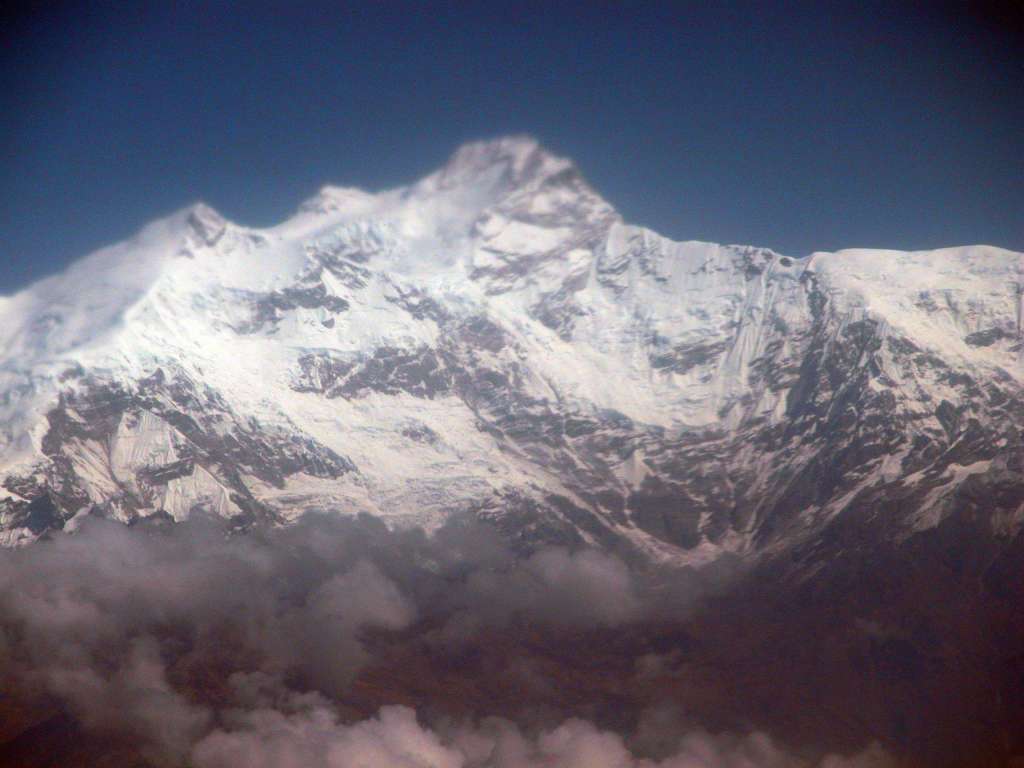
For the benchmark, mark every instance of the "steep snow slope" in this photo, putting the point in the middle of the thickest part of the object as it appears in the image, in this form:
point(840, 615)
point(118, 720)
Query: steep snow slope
point(495, 340)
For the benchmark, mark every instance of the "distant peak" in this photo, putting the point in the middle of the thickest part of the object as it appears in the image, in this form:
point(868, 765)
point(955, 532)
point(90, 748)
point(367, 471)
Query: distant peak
point(331, 199)
point(482, 170)
point(205, 223)
point(481, 154)
point(514, 160)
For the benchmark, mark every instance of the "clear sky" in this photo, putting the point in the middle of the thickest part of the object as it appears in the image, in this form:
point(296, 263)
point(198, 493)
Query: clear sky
point(795, 126)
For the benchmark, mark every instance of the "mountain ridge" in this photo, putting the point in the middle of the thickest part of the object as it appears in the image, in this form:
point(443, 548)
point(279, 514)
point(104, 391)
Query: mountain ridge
point(494, 340)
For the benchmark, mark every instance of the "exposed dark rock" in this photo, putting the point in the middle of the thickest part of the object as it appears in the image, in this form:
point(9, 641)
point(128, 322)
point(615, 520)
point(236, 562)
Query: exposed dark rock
point(684, 358)
point(42, 514)
point(163, 475)
point(666, 512)
point(207, 225)
point(215, 439)
point(269, 308)
point(388, 370)
point(418, 304)
point(988, 337)
point(420, 433)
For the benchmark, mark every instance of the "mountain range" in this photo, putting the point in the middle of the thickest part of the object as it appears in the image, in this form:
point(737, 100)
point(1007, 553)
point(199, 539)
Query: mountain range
point(495, 340)
point(844, 431)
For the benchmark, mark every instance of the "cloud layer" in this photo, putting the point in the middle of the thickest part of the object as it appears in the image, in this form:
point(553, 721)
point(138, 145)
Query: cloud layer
point(279, 648)
point(394, 739)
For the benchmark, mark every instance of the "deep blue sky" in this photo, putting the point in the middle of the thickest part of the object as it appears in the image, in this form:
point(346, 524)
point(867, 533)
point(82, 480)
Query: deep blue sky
point(795, 126)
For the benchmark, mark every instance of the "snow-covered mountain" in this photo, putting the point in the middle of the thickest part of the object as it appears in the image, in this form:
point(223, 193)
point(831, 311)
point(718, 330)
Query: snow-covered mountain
point(495, 340)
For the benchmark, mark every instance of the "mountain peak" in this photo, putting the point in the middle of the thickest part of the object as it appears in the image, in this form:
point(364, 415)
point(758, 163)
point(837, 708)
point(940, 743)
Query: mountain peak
point(477, 175)
point(510, 161)
point(487, 152)
point(206, 224)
